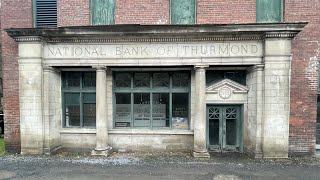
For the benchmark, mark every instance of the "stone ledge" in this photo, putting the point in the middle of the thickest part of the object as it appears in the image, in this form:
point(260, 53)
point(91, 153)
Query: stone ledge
point(78, 131)
point(150, 132)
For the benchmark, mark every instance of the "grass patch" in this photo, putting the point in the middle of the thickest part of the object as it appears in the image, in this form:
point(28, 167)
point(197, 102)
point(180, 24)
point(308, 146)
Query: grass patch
point(2, 149)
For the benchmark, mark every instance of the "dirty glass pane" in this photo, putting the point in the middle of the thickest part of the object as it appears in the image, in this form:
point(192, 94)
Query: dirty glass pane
point(216, 76)
point(103, 12)
point(71, 79)
point(183, 11)
point(214, 117)
point(161, 80)
point(180, 110)
point(269, 10)
point(180, 79)
point(141, 80)
point(72, 109)
point(141, 110)
point(160, 110)
point(123, 110)
point(89, 79)
point(123, 80)
point(231, 126)
point(89, 109)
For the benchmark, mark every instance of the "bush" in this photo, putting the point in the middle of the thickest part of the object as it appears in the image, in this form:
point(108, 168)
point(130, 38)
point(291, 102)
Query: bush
point(2, 148)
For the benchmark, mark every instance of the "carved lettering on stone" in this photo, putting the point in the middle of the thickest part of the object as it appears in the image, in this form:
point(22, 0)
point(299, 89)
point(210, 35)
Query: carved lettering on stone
point(154, 50)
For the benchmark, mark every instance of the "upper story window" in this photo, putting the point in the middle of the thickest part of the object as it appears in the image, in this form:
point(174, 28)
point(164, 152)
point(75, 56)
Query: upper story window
point(45, 13)
point(102, 12)
point(183, 11)
point(269, 11)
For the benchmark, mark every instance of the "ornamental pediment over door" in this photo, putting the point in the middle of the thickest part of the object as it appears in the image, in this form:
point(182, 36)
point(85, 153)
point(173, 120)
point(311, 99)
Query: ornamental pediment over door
point(226, 87)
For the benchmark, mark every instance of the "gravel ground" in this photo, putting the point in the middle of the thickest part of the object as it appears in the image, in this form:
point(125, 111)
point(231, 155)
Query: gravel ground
point(167, 165)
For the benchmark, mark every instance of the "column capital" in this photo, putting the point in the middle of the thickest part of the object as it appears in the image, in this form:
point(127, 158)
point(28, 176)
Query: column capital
point(49, 69)
point(200, 67)
point(100, 68)
point(258, 67)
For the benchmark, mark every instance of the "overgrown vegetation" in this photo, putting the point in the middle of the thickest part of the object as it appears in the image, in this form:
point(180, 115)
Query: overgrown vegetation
point(2, 149)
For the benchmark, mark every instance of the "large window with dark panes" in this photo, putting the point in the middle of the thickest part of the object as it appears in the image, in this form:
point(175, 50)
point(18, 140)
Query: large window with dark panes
point(79, 99)
point(151, 99)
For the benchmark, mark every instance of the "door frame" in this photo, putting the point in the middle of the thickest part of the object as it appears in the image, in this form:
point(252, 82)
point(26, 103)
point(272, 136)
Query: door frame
point(241, 127)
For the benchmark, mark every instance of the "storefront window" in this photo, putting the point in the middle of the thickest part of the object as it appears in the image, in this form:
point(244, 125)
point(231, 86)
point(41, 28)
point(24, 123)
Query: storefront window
point(79, 99)
point(152, 99)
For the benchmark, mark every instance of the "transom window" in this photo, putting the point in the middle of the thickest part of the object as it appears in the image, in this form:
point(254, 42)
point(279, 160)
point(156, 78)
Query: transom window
point(79, 99)
point(152, 99)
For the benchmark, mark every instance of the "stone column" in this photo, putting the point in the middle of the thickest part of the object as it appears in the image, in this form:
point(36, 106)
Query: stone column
point(30, 97)
point(200, 147)
point(259, 92)
point(276, 95)
point(51, 101)
point(102, 147)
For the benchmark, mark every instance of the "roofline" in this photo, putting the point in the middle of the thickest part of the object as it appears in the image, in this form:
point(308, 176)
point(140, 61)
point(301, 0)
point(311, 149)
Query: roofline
point(137, 29)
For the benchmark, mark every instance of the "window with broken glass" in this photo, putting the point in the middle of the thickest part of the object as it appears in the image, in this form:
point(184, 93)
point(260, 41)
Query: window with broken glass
point(151, 99)
point(79, 99)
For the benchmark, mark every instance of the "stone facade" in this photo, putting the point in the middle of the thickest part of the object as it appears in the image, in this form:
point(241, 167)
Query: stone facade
point(304, 71)
point(265, 54)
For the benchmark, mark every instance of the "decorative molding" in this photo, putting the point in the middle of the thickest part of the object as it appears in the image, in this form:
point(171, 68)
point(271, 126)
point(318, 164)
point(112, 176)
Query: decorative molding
point(281, 35)
point(50, 69)
point(225, 92)
point(28, 39)
point(258, 67)
point(200, 67)
point(122, 40)
point(100, 68)
point(226, 87)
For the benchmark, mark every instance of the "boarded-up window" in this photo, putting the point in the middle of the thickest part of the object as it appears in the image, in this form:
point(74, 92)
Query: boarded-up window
point(45, 13)
point(269, 11)
point(183, 11)
point(102, 12)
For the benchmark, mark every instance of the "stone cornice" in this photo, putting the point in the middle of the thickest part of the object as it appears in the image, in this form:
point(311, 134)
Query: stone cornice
point(157, 33)
point(28, 39)
point(280, 35)
point(145, 39)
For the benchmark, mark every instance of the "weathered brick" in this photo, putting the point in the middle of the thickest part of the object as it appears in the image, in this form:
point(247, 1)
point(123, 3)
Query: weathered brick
point(14, 14)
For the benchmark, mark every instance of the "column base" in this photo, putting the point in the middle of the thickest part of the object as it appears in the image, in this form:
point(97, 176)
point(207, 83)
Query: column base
point(201, 154)
point(102, 151)
point(51, 151)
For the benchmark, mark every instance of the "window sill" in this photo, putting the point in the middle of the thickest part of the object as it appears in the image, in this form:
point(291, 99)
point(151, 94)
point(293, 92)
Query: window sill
point(78, 131)
point(151, 132)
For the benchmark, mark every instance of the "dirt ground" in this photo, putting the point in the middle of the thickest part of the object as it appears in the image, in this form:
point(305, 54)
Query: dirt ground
point(169, 165)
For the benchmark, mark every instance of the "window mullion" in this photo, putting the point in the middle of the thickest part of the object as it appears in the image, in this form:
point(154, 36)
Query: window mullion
point(132, 113)
point(170, 100)
point(151, 111)
point(151, 101)
point(81, 100)
point(132, 101)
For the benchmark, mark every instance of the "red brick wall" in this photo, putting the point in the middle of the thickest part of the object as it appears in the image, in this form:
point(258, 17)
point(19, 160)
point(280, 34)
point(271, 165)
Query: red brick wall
point(73, 12)
point(142, 12)
point(226, 11)
point(306, 47)
point(16, 13)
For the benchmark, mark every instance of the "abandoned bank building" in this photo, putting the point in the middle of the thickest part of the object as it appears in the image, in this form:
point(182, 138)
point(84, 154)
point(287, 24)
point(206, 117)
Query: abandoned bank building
point(161, 75)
